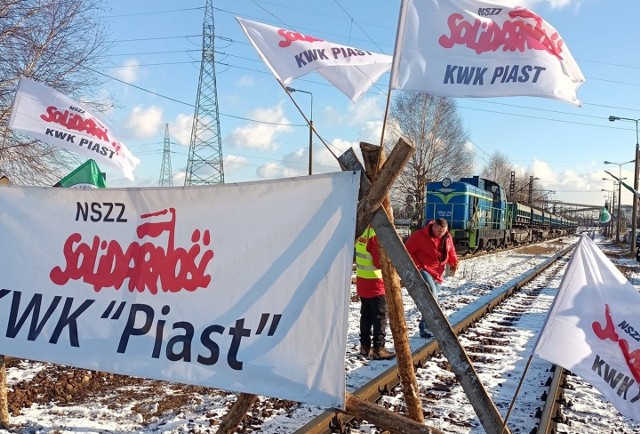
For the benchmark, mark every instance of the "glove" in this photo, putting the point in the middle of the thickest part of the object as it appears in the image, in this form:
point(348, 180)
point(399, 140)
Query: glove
point(453, 269)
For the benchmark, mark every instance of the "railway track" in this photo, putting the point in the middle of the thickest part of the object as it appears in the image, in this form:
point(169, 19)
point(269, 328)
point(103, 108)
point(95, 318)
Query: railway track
point(331, 421)
point(493, 341)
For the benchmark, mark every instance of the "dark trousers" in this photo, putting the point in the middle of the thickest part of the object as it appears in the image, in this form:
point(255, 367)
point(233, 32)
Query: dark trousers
point(373, 314)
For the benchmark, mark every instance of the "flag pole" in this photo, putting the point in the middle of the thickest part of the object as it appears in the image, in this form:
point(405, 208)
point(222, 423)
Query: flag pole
point(384, 119)
point(628, 187)
point(539, 337)
point(515, 395)
point(394, 65)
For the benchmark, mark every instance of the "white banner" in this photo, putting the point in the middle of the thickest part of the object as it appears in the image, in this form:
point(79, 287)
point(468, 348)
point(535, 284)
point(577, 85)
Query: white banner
point(476, 48)
point(290, 55)
point(593, 328)
point(48, 115)
point(221, 286)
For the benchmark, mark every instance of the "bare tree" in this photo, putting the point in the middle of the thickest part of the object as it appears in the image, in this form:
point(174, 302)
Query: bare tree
point(60, 43)
point(432, 124)
point(498, 169)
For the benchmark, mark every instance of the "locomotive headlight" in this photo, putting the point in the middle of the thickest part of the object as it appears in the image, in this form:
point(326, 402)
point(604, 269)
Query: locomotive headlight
point(446, 182)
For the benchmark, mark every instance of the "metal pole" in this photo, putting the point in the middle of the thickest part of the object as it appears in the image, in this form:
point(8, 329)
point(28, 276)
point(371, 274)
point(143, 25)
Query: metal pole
point(291, 89)
point(634, 209)
point(613, 207)
point(619, 202)
point(311, 137)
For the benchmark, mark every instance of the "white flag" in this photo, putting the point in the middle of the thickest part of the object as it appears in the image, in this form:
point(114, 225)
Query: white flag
point(52, 117)
point(593, 328)
point(476, 48)
point(290, 55)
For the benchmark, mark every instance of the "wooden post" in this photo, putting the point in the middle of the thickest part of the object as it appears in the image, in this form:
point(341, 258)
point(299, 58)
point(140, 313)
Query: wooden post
point(236, 413)
point(428, 306)
point(373, 157)
point(387, 175)
point(4, 404)
point(385, 419)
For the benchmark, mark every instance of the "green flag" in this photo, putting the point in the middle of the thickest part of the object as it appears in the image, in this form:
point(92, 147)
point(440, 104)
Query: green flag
point(605, 216)
point(87, 175)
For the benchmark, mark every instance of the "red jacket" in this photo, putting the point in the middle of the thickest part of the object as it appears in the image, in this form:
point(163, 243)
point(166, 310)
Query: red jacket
point(369, 288)
point(428, 254)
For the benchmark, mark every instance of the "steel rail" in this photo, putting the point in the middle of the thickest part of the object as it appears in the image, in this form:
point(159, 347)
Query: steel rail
point(551, 410)
point(331, 420)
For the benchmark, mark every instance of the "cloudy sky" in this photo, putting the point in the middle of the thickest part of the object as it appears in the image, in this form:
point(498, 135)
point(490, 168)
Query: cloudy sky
point(156, 51)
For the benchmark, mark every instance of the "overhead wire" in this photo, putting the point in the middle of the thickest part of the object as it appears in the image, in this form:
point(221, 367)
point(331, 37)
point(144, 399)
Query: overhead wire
point(355, 22)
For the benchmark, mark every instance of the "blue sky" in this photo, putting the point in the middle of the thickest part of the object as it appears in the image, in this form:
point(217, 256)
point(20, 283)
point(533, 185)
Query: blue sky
point(156, 47)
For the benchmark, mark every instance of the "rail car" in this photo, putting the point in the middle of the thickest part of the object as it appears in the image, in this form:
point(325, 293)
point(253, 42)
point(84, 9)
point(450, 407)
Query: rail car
point(480, 217)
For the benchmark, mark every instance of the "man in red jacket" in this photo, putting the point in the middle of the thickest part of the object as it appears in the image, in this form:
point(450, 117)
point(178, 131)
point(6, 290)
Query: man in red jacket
point(431, 249)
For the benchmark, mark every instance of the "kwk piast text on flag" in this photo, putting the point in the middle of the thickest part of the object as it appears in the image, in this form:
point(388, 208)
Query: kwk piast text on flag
point(476, 48)
point(50, 116)
point(290, 54)
point(593, 328)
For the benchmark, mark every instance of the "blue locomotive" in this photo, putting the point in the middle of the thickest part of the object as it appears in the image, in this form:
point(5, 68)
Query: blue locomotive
point(480, 217)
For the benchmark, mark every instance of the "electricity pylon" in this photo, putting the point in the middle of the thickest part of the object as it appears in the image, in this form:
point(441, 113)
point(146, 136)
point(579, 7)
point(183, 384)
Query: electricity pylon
point(204, 164)
point(166, 175)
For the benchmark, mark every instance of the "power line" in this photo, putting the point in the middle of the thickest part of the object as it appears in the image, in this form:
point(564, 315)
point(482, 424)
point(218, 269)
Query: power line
point(353, 20)
point(466, 108)
point(172, 11)
point(189, 104)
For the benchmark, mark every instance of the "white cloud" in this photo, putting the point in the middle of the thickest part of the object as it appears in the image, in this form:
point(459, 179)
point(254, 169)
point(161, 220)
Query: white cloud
point(261, 136)
point(574, 187)
point(297, 161)
point(129, 71)
point(234, 163)
point(543, 171)
point(179, 177)
point(554, 4)
point(339, 146)
point(180, 129)
point(365, 110)
point(371, 131)
point(275, 170)
point(245, 81)
point(144, 123)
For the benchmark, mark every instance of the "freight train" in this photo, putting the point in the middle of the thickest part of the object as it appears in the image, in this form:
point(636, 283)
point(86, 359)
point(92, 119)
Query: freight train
point(481, 218)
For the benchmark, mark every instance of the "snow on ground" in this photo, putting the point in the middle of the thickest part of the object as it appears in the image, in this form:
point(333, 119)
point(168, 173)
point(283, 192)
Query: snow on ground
point(476, 278)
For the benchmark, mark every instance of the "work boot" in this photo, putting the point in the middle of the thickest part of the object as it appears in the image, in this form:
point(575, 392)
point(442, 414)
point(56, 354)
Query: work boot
point(381, 353)
point(364, 350)
point(424, 333)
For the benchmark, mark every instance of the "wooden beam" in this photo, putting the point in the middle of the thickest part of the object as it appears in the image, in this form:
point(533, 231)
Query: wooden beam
point(373, 156)
point(4, 403)
point(236, 413)
point(372, 197)
point(385, 419)
point(428, 306)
